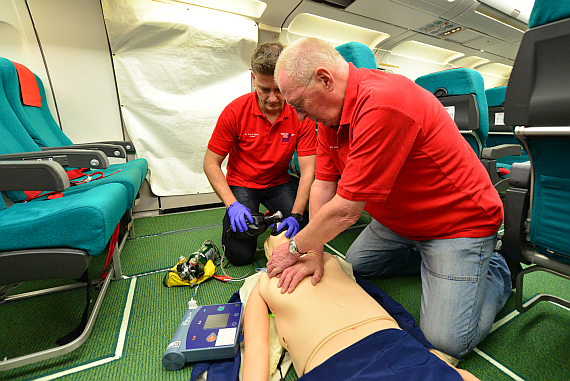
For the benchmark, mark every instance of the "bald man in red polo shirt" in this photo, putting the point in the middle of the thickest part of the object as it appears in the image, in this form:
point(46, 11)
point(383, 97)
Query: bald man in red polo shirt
point(260, 132)
point(387, 146)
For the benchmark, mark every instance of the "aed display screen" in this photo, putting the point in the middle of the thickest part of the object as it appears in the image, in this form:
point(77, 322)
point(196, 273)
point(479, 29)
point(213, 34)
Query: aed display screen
point(216, 321)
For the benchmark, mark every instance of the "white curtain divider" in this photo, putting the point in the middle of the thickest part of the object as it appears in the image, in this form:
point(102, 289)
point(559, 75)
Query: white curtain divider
point(177, 67)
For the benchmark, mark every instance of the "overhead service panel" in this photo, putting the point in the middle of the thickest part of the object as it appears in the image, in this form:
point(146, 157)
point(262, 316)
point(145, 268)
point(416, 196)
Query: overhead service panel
point(341, 4)
point(440, 28)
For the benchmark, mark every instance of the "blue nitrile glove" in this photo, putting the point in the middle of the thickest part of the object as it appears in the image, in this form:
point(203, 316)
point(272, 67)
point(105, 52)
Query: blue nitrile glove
point(238, 213)
point(292, 226)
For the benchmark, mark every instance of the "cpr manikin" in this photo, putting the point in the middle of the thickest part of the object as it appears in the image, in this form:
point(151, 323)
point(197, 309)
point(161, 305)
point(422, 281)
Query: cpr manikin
point(313, 322)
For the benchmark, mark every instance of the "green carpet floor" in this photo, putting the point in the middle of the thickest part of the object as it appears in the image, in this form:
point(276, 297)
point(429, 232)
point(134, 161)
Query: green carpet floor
point(131, 333)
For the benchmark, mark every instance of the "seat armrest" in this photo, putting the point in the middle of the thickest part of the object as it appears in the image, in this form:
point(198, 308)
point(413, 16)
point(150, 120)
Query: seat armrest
point(108, 149)
point(501, 151)
point(32, 175)
point(65, 157)
point(127, 145)
point(517, 204)
point(520, 175)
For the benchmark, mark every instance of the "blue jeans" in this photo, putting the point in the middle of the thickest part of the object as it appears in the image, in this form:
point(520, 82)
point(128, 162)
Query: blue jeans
point(464, 282)
point(280, 197)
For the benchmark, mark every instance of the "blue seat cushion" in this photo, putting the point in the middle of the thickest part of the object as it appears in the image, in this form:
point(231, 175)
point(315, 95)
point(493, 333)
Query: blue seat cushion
point(357, 53)
point(131, 176)
point(82, 221)
point(548, 11)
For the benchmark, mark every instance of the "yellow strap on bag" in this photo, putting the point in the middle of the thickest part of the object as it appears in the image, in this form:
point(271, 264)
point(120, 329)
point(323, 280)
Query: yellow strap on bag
point(172, 279)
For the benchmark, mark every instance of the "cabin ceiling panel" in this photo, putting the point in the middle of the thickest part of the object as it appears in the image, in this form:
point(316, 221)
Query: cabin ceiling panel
point(276, 11)
point(309, 7)
point(434, 7)
point(475, 21)
point(502, 49)
point(391, 13)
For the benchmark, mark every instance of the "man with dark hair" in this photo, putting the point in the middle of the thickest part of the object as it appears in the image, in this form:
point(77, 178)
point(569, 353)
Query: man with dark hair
point(260, 132)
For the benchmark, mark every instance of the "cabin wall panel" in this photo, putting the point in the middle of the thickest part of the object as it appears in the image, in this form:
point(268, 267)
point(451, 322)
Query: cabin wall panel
point(76, 50)
point(18, 43)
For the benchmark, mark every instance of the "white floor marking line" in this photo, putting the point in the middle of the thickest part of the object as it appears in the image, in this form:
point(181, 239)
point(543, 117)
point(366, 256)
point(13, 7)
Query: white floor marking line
point(504, 320)
point(505, 370)
point(120, 342)
point(335, 251)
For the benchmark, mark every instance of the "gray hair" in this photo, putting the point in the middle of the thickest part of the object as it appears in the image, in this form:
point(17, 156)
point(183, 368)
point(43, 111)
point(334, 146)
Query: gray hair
point(302, 57)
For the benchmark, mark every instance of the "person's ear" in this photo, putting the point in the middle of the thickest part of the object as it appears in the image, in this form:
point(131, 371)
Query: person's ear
point(325, 76)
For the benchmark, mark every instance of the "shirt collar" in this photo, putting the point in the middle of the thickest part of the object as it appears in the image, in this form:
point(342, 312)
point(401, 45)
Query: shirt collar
point(286, 112)
point(350, 94)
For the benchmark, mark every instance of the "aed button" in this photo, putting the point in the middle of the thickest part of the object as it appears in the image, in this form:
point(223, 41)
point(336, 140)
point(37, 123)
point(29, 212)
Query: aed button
point(211, 338)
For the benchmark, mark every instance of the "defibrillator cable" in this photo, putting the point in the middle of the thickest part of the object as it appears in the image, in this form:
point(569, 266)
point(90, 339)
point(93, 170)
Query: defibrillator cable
point(231, 279)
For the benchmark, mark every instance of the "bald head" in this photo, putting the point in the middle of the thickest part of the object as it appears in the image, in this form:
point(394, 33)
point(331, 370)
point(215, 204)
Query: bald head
point(300, 59)
point(312, 75)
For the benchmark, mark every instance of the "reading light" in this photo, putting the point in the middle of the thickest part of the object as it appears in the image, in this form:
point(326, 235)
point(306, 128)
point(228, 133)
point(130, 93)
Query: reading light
point(249, 8)
point(306, 24)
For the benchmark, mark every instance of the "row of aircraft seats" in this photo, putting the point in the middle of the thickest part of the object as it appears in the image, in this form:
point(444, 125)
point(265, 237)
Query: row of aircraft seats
point(462, 92)
point(61, 203)
point(537, 103)
point(536, 107)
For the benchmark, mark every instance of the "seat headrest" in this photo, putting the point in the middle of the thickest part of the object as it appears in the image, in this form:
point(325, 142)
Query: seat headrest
point(359, 54)
point(458, 81)
point(548, 11)
point(496, 96)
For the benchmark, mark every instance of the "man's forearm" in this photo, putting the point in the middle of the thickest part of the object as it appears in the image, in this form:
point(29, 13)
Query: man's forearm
point(213, 171)
point(330, 215)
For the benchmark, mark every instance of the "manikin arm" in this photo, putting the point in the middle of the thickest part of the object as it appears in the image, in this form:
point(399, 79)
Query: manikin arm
point(256, 338)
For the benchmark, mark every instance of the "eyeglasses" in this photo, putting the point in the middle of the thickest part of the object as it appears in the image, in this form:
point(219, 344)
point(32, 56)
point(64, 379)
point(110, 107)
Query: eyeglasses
point(297, 107)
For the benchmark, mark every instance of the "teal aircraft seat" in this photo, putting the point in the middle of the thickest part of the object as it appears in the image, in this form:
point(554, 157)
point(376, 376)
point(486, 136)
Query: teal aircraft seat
point(501, 135)
point(537, 103)
point(361, 56)
point(17, 143)
point(462, 92)
point(41, 126)
point(54, 239)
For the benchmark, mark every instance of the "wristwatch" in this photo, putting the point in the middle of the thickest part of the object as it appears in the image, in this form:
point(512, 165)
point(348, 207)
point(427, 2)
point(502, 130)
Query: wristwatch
point(293, 249)
point(297, 216)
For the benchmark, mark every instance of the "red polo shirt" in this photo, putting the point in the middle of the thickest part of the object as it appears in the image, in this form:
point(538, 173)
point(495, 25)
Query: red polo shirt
point(260, 152)
point(399, 150)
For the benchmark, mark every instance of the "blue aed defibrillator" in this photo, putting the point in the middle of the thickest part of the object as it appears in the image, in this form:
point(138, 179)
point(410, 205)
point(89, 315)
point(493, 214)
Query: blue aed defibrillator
point(205, 333)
